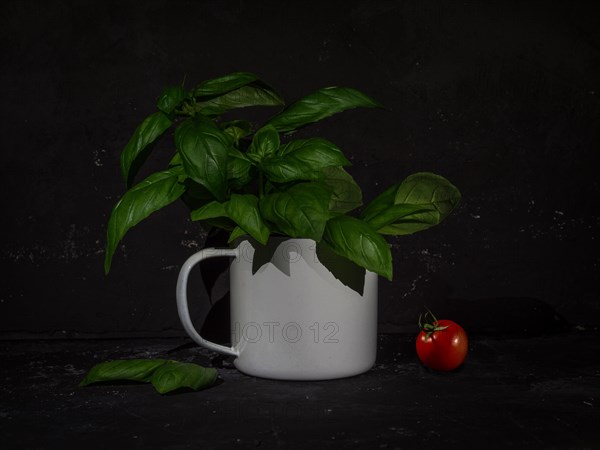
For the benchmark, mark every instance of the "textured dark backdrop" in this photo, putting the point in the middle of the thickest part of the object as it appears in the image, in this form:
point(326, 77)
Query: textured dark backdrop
point(502, 99)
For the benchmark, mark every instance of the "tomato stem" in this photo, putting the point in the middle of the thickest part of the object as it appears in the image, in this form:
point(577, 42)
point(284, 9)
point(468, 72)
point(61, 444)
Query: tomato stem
point(430, 326)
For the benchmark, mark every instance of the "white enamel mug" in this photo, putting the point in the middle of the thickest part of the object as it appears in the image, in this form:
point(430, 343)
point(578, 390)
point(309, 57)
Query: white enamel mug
point(291, 317)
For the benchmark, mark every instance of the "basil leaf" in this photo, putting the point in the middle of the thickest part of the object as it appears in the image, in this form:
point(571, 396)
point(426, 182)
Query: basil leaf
point(238, 169)
point(129, 370)
point(282, 170)
point(137, 149)
point(346, 194)
point(243, 210)
point(165, 375)
point(237, 90)
point(303, 160)
point(316, 151)
point(237, 129)
point(435, 195)
point(211, 210)
point(360, 243)
point(429, 190)
point(395, 213)
point(226, 83)
point(213, 214)
point(380, 203)
point(155, 192)
point(176, 375)
point(170, 99)
point(300, 211)
point(257, 94)
point(204, 152)
point(175, 161)
point(265, 143)
point(426, 188)
point(318, 105)
point(236, 233)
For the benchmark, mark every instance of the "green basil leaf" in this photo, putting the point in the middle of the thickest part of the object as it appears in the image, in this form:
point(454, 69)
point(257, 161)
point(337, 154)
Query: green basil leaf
point(319, 105)
point(211, 210)
point(175, 375)
point(165, 375)
point(239, 169)
point(236, 90)
point(138, 147)
point(300, 211)
point(170, 99)
point(316, 151)
point(204, 152)
point(253, 94)
point(155, 192)
point(411, 224)
point(122, 370)
point(237, 129)
point(395, 213)
point(175, 161)
point(280, 169)
point(380, 203)
point(235, 234)
point(346, 194)
point(265, 143)
point(243, 210)
point(425, 188)
point(433, 193)
point(360, 243)
point(224, 84)
point(303, 159)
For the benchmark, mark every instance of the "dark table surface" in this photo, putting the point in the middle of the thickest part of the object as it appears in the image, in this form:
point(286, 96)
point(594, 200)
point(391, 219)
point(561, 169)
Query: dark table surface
point(527, 392)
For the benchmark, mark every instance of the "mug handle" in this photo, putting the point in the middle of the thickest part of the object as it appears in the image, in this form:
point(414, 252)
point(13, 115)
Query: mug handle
point(182, 301)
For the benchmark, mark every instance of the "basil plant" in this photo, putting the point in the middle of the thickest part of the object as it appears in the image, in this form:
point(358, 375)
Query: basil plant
point(259, 181)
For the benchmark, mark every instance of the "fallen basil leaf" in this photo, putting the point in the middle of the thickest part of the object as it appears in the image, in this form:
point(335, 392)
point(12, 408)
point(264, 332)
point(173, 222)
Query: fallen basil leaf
point(175, 375)
point(165, 375)
point(122, 370)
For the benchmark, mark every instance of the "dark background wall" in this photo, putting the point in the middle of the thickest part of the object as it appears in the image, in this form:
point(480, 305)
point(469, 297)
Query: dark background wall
point(502, 99)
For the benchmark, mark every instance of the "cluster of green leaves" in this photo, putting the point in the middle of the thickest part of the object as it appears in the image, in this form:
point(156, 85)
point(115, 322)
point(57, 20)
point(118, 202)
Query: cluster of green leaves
point(260, 182)
point(165, 375)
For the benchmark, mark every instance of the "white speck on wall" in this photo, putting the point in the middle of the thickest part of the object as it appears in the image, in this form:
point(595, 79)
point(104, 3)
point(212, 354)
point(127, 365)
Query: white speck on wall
point(324, 55)
point(413, 287)
point(190, 243)
point(97, 157)
point(475, 216)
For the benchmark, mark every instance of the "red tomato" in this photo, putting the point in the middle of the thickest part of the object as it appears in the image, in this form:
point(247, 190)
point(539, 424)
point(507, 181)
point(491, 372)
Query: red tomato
point(442, 344)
